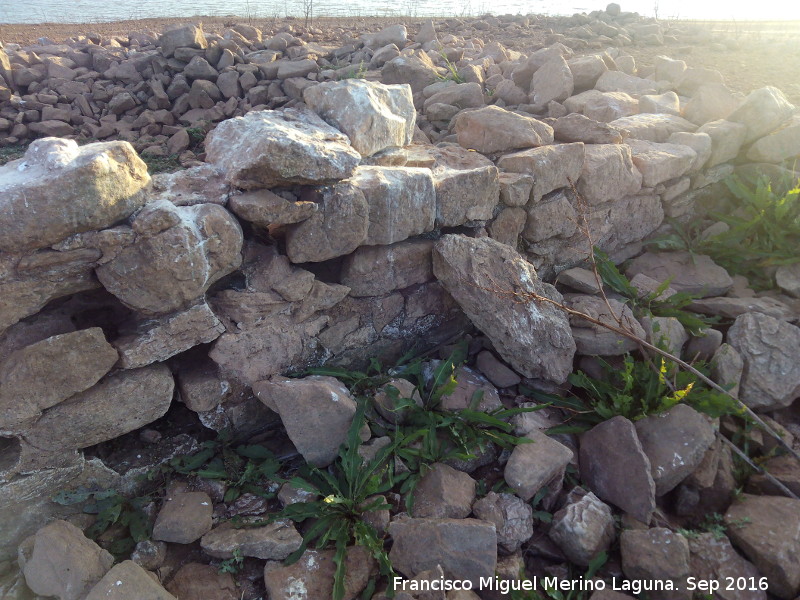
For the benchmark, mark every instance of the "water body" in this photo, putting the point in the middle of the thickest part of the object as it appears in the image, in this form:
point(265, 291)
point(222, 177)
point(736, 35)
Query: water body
point(89, 11)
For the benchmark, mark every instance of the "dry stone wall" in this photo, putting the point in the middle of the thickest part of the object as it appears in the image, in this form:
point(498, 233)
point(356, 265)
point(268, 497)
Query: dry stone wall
point(332, 231)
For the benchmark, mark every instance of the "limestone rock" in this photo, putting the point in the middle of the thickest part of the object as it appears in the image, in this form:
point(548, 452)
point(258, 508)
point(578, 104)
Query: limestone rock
point(701, 143)
point(60, 561)
point(462, 95)
point(495, 371)
point(586, 70)
point(43, 374)
point(465, 548)
point(788, 279)
point(767, 530)
point(778, 146)
point(465, 191)
point(58, 189)
point(512, 518)
point(711, 102)
point(195, 581)
point(552, 167)
point(696, 274)
point(417, 70)
point(608, 173)
point(393, 34)
point(378, 270)
point(401, 202)
point(184, 518)
point(537, 464)
point(533, 338)
point(656, 553)
point(592, 339)
point(493, 129)
point(762, 112)
point(675, 443)
point(727, 138)
point(373, 115)
point(177, 254)
point(615, 467)
point(583, 528)
point(552, 81)
point(337, 228)
point(263, 208)
point(275, 541)
point(771, 376)
point(311, 577)
point(269, 148)
point(443, 493)
point(159, 339)
point(617, 81)
point(653, 128)
point(713, 558)
point(188, 36)
point(128, 581)
point(726, 368)
point(576, 127)
point(660, 162)
point(316, 411)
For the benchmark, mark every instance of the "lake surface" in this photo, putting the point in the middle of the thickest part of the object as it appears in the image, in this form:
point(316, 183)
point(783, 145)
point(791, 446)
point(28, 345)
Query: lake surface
point(89, 11)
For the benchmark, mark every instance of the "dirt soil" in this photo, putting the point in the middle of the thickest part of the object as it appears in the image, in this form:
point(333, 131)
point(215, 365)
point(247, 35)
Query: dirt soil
point(749, 54)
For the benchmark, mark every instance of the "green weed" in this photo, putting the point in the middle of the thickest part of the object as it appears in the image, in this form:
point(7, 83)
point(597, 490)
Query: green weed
point(9, 153)
point(161, 164)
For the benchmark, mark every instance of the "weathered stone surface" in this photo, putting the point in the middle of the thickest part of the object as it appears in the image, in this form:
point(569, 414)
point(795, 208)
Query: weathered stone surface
point(177, 254)
point(58, 189)
point(711, 102)
point(608, 173)
point(202, 184)
point(269, 148)
point(696, 273)
point(512, 518)
point(316, 411)
point(184, 518)
point(552, 167)
point(537, 464)
point(730, 308)
point(495, 371)
point(586, 70)
point(592, 339)
point(713, 558)
point(373, 115)
point(666, 103)
point(462, 95)
point(665, 332)
point(768, 347)
point(507, 226)
point(493, 129)
point(605, 107)
point(614, 466)
point(515, 188)
point(195, 581)
point(104, 411)
point(762, 112)
point(188, 36)
point(656, 553)
point(727, 367)
point(393, 34)
point(653, 128)
point(467, 186)
point(788, 279)
point(552, 81)
point(337, 228)
point(378, 270)
point(727, 138)
point(39, 376)
point(617, 81)
point(417, 70)
point(675, 443)
point(443, 493)
point(576, 127)
point(465, 548)
point(777, 146)
point(533, 338)
point(128, 581)
point(767, 530)
point(60, 561)
point(275, 541)
point(311, 577)
point(401, 202)
point(701, 143)
point(263, 208)
point(389, 404)
point(660, 162)
point(583, 528)
point(159, 339)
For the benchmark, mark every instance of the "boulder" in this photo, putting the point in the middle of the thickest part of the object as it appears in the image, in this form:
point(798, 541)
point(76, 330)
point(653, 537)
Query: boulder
point(608, 173)
point(60, 561)
point(595, 340)
point(617, 81)
point(551, 82)
point(465, 548)
point(675, 443)
point(443, 493)
point(767, 530)
point(552, 167)
point(615, 467)
point(727, 138)
point(184, 518)
point(338, 227)
point(659, 554)
point(666, 103)
point(533, 337)
point(58, 189)
point(401, 202)
point(493, 129)
point(693, 273)
point(40, 375)
point(701, 143)
point(576, 127)
point(586, 70)
point(763, 111)
point(711, 102)
point(264, 208)
point(777, 146)
point(653, 128)
point(373, 115)
point(512, 518)
point(416, 70)
point(177, 254)
point(462, 95)
point(316, 412)
point(311, 577)
point(128, 581)
point(393, 34)
point(274, 541)
point(583, 528)
point(378, 270)
point(466, 190)
point(660, 162)
point(187, 36)
point(195, 581)
point(771, 376)
point(713, 558)
point(537, 464)
point(269, 148)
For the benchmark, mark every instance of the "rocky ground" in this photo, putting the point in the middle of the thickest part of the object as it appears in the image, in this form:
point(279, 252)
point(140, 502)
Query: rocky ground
point(367, 320)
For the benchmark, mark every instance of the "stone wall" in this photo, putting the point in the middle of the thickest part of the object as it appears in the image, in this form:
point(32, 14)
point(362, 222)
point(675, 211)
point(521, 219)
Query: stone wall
point(325, 233)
